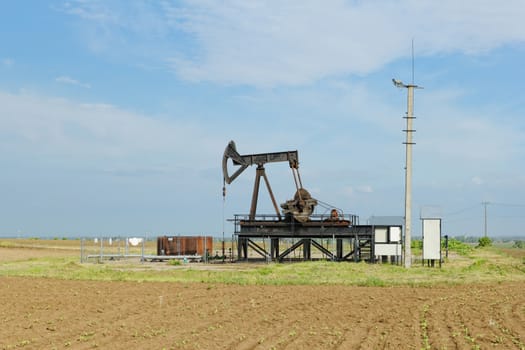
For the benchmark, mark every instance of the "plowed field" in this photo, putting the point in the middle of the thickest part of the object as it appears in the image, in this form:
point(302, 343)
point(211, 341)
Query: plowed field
point(40, 313)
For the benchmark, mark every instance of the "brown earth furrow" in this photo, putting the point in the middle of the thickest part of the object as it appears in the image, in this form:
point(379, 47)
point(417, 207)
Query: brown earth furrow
point(40, 313)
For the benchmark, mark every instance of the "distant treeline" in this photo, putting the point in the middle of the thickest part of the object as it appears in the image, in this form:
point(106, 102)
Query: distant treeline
point(475, 239)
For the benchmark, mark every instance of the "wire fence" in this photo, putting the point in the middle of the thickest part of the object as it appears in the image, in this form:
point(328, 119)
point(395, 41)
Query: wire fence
point(100, 249)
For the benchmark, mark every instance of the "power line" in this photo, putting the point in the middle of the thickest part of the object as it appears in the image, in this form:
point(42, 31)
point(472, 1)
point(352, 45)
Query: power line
point(508, 217)
point(462, 210)
point(461, 219)
point(507, 204)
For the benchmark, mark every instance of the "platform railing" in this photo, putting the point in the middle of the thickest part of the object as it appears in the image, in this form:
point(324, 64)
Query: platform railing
point(244, 218)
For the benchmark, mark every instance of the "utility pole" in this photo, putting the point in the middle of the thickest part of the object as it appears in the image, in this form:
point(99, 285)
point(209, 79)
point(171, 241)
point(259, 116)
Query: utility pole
point(408, 167)
point(485, 223)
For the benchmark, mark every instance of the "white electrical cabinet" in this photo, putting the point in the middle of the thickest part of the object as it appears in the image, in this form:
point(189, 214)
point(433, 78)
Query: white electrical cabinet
point(432, 239)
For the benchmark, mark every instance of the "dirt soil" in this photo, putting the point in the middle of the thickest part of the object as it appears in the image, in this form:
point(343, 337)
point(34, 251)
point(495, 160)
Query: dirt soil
point(40, 313)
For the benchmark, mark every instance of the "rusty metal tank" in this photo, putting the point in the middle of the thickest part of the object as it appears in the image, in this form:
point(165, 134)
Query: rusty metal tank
point(184, 245)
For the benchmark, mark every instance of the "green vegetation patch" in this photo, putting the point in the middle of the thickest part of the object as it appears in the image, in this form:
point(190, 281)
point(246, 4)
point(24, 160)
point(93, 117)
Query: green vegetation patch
point(488, 264)
point(459, 247)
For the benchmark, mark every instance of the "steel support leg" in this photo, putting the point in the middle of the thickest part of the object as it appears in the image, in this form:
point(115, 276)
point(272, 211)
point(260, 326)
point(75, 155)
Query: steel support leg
point(307, 249)
point(356, 249)
point(242, 248)
point(339, 249)
point(274, 248)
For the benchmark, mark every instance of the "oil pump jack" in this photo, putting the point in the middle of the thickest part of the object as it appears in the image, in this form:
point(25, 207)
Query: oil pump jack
point(299, 208)
point(297, 226)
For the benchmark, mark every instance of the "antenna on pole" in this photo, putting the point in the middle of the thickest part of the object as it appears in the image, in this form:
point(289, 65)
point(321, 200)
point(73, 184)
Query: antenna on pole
point(412, 61)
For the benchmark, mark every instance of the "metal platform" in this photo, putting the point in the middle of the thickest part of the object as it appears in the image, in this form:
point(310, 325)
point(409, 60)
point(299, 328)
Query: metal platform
point(349, 240)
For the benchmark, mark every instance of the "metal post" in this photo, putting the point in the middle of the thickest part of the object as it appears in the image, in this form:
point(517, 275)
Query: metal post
point(485, 217)
point(142, 249)
point(268, 254)
point(239, 247)
point(81, 250)
point(101, 249)
point(446, 246)
point(205, 251)
point(232, 249)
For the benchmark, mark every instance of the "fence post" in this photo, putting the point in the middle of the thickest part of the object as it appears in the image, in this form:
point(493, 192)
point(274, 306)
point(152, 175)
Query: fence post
point(101, 249)
point(81, 250)
point(142, 249)
point(205, 250)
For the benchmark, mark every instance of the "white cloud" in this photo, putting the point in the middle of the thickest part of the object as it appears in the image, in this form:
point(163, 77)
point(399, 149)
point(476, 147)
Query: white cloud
point(351, 191)
point(59, 127)
point(70, 81)
point(295, 43)
point(348, 191)
point(265, 43)
point(365, 189)
point(476, 180)
point(90, 10)
point(7, 62)
point(467, 135)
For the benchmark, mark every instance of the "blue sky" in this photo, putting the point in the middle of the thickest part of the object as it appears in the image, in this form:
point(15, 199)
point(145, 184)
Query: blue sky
point(114, 114)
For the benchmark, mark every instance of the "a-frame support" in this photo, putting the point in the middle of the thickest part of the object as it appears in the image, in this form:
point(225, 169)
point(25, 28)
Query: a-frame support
point(260, 172)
